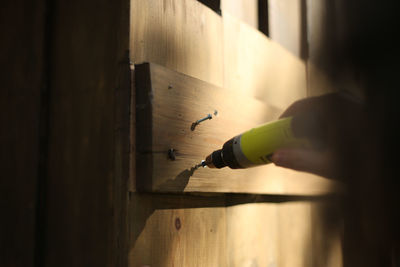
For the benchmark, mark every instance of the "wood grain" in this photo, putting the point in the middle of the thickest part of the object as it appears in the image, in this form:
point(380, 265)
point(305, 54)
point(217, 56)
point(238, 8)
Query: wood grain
point(258, 67)
point(169, 230)
point(188, 37)
point(245, 10)
point(253, 235)
point(183, 35)
point(168, 103)
point(22, 62)
point(253, 66)
point(87, 190)
point(295, 234)
point(285, 24)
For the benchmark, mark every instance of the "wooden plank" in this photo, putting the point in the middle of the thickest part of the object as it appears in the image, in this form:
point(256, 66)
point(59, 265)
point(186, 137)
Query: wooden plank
point(86, 187)
point(244, 10)
point(258, 67)
point(167, 104)
point(253, 235)
point(250, 236)
point(22, 24)
point(183, 35)
point(167, 231)
point(295, 234)
point(285, 24)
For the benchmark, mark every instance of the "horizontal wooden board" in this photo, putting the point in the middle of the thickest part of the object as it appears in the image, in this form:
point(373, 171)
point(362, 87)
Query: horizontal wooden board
point(259, 67)
point(183, 35)
point(168, 103)
point(245, 10)
point(285, 24)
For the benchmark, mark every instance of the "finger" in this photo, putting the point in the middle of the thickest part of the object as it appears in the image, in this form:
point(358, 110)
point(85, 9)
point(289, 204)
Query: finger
point(304, 160)
point(300, 106)
point(314, 104)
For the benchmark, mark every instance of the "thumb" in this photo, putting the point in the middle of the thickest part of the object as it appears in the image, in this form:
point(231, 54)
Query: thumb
point(304, 160)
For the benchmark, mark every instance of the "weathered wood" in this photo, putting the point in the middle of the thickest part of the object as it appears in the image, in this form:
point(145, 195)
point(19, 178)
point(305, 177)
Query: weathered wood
point(285, 24)
point(86, 180)
point(295, 234)
point(253, 235)
point(169, 230)
point(244, 10)
point(183, 35)
point(258, 67)
point(188, 37)
point(167, 104)
point(22, 24)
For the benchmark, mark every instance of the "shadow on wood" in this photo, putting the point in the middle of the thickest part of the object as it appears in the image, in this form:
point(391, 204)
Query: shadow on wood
point(181, 180)
point(143, 205)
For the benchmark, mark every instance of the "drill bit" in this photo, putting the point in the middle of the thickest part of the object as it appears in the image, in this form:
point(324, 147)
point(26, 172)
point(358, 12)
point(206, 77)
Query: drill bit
point(201, 164)
point(206, 163)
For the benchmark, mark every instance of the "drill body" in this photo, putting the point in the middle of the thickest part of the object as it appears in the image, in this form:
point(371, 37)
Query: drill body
point(254, 147)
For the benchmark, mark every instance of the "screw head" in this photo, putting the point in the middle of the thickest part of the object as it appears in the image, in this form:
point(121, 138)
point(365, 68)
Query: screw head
point(171, 154)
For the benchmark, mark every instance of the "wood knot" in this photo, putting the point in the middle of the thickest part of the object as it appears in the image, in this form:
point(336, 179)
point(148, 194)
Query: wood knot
point(178, 224)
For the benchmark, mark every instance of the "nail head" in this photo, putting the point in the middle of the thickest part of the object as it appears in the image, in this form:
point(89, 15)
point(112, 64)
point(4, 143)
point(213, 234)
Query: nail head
point(171, 154)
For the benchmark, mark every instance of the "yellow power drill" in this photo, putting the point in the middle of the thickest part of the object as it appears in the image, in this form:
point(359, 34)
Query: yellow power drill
point(254, 147)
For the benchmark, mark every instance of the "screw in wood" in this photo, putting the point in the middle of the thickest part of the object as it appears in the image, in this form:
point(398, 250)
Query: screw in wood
point(171, 154)
point(208, 117)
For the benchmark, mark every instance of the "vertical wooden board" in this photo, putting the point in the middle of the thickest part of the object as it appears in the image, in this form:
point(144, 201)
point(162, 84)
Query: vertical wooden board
point(244, 10)
point(85, 186)
point(183, 35)
point(22, 24)
point(252, 235)
point(259, 67)
point(295, 237)
point(178, 236)
point(285, 24)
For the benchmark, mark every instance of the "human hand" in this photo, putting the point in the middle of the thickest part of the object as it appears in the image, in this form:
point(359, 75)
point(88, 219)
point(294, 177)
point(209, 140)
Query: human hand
point(330, 123)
